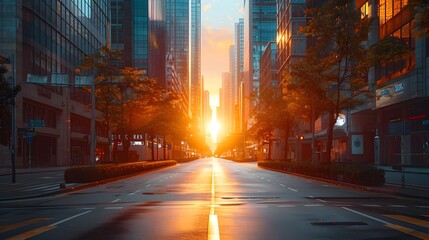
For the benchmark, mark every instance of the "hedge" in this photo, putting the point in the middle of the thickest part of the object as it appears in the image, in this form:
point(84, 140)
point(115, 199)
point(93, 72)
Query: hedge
point(102, 172)
point(360, 174)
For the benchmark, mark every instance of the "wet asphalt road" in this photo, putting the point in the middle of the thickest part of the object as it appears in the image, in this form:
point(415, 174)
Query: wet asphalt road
point(215, 199)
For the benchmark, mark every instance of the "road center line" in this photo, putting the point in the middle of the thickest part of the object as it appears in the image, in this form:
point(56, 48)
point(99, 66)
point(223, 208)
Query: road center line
point(213, 231)
point(116, 200)
point(294, 190)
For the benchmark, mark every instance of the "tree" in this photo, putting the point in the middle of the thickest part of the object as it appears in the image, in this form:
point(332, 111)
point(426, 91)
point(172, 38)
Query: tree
point(165, 119)
point(123, 95)
point(7, 96)
point(420, 10)
point(338, 35)
point(272, 112)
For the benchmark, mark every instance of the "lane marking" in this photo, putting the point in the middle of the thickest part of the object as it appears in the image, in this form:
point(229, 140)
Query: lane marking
point(321, 200)
point(40, 230)
point(282, 185)
point(31, 233)
point(411, 220)
point(147, 186)
point(409, 231)
point(397, 206)
point(113, 208)
point(132, 193)
point(371, 205)
point(10, 227)
point(69, 218)
point(314, 205)
point(116, 200)
point(294, 190)
point(213, 229)
point(367, 216)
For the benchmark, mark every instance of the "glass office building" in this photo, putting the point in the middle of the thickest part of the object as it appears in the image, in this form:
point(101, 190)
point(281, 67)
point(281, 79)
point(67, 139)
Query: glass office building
point(177, 25)
point(260, 25)
point(130, 32)
point(46, 38)
point(195, 67)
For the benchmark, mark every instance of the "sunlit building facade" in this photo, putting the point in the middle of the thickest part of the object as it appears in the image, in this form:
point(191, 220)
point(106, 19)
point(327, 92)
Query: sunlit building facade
point(260, 25)
point(401, 132)
point(177, 17)
point(236, 69)
point(48, 39)
point(195, 67)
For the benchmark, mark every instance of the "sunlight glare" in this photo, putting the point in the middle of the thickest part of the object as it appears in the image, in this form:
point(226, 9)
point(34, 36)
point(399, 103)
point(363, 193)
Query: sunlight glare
point(213, 129)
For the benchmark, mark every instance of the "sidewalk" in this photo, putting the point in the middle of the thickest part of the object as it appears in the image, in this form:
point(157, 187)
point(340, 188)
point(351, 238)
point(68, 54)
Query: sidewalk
point(34, 182)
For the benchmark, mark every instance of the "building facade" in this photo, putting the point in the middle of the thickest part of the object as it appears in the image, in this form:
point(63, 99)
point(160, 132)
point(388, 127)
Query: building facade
point(48, 40)
point(195, 67)
point(260, 25)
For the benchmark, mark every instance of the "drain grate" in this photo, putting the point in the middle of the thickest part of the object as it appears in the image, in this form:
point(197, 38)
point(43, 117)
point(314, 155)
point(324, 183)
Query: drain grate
point(338, 223)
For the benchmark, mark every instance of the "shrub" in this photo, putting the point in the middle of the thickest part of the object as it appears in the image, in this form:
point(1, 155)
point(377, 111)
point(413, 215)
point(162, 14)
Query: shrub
point(361, 174)
point(102, 172)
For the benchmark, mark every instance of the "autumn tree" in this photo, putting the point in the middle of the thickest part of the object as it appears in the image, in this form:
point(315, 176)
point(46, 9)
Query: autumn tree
point(272, 112)
point(167, 120)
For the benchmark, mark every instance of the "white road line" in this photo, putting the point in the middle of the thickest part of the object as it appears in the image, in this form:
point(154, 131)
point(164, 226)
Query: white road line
point(371, 205)
point(309, 196)
point(68, 219)
point(113, 208)
point(282, 185)
point(398, 206)
point(314, 205)
point(321, 200)
point(88, 208)
point(132, 193)
point(116, 200)
point(294, 190)
point(49, 189)
point(367, 216)
point(268, 180)
point(147, 186)
point(285, 206)
point(38, 188)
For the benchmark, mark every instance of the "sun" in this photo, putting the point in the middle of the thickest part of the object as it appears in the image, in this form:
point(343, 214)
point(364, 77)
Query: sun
point(213, 129)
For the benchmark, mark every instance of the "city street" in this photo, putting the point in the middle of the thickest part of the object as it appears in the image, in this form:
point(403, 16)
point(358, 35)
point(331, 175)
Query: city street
point(213, 198)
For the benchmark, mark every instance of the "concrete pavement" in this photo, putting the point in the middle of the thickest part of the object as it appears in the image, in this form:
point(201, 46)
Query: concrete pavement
point(38, 182)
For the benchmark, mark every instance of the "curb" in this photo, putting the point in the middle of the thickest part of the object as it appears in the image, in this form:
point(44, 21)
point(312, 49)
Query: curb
point(350, 185)
point(83, 186)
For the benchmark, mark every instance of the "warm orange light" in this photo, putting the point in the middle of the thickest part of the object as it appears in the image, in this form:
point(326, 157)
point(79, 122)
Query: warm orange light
point(213, 128)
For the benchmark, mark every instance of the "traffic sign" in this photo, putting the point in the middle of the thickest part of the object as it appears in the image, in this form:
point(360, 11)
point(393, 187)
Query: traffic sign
point(36, 123)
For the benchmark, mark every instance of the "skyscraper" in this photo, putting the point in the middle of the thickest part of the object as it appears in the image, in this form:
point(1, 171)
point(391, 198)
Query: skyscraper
point(47, 40)
point(130, 32)
point(260, 24)
point(177, 25)
point(195, 77)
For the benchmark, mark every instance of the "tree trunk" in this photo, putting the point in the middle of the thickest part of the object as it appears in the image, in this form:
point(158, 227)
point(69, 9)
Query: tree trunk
point(286, 143)
point(330, 135)
point(153, 149)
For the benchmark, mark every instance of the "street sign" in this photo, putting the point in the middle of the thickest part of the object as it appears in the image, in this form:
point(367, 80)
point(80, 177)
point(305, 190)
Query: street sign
point(36, 123)
point(24, 131)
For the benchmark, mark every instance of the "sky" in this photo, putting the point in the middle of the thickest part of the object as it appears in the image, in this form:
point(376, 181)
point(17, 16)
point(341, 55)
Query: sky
point(217, 27)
